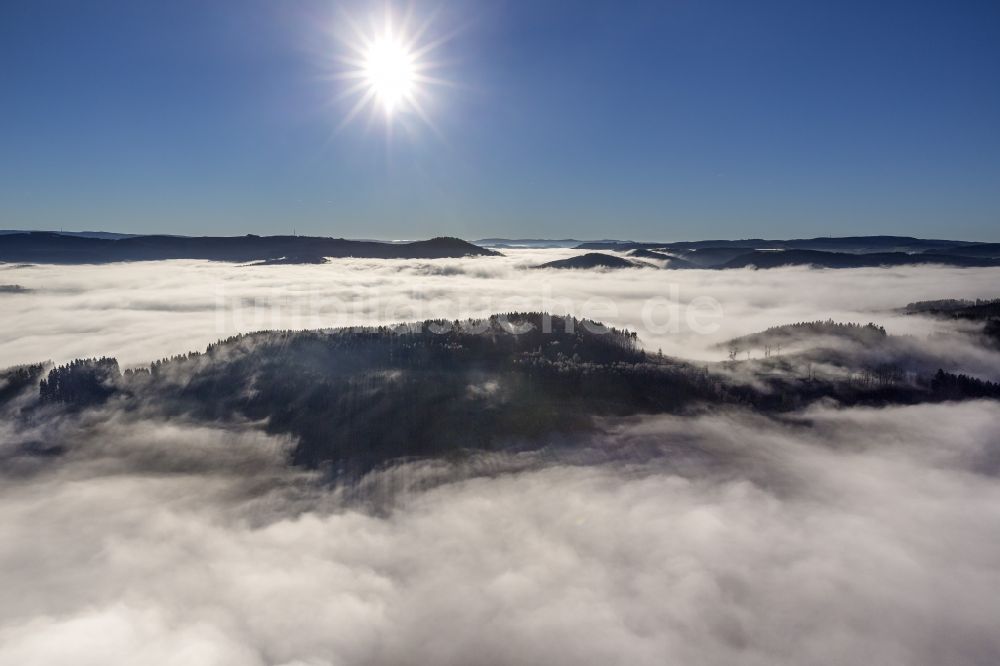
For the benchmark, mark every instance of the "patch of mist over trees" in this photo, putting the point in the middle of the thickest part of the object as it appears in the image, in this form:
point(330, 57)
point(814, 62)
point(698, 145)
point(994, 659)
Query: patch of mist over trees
point(865, 354)
point(983, 310)
point(774, 338)
point(16, 381)
point(359, 396)
point(957, 307)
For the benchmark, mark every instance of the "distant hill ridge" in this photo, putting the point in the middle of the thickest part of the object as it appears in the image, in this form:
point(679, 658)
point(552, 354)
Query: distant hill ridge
point(828, 243)
point(768, 259)
point(55, 248)
point(825, 252)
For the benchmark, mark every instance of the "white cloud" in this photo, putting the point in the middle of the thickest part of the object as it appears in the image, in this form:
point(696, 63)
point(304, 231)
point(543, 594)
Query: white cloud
point(143, 311)
point(835, 536)
point(829, 536)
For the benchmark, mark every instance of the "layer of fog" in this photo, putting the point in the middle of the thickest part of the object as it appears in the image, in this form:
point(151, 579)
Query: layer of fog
point(143, 311)
point(833, 536)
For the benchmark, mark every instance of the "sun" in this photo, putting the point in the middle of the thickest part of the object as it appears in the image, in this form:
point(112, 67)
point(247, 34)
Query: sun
point(389, 72)
point(389, 66)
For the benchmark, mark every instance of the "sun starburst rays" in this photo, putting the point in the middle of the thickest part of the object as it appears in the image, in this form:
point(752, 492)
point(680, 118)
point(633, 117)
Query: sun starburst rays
point(389, 70)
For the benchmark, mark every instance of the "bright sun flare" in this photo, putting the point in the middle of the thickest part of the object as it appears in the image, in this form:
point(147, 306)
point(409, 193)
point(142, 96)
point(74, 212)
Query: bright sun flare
point(389, 72)
point(390, 67)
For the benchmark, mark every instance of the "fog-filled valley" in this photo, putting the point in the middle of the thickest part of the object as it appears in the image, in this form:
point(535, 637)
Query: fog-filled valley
point(456, 333)
point(830, 536)
point(399, 461)
point(140, 312)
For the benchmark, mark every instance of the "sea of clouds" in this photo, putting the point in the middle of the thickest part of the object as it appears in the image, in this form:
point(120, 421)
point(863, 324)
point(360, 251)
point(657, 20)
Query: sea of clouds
point(827, 536)
point(831, 536)
point(139, 312)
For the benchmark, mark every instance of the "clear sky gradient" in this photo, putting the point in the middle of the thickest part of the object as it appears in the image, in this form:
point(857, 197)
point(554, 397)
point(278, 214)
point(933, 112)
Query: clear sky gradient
point(662, 120)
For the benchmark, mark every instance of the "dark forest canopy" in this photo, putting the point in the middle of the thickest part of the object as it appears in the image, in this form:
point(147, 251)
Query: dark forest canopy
point(958, 308)
point(849, 252)
point(17, 380)
point(821, 259)
point(356, 398)
point(81, 383)
point(720, 258)
point(986, 311)
point(846, 252)
point(951, 386)
point(788, 334)
point(972, 250)
point(854, 244)
point(592, 260)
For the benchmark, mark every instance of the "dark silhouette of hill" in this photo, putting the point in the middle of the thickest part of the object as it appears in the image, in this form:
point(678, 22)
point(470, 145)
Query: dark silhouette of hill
point(642, 253)
point(292, 260)
point(709, 257)
point(728, 258)
point(540, 243)
point(591, 260)
point(357, 398)
point(979, 309)
point(937, 306)
point(866, 244)
point(846, 252)
point(788, 334)
point(775, 259)
point(668, 260)
point(44, 247)
point(989, 250)
point(85, 234)
point(672, 261)
point(853, 244)
point(986, 311)
point(838, 351)
point(950, 386)
point(849, 252)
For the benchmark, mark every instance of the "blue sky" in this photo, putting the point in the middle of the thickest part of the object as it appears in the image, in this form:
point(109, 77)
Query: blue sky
point(662, 120)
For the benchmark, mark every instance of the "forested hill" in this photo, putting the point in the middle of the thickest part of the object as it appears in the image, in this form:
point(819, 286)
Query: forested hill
point(775, 337)
point(852, 244)
point(847, 252)
point(820, 259)
point(591, 260)
point(979, 309)
point(54, 248)
point(356, 398)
